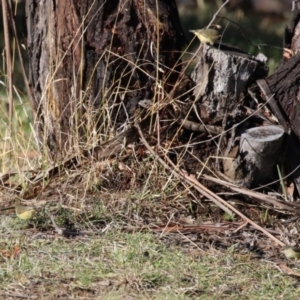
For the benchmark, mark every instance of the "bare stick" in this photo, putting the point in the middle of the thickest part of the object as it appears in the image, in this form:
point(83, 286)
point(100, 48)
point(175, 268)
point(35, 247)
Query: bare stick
point(290, 206)
point(191, 179)
point(216, 14)
point(177, 174)
point(8, 62)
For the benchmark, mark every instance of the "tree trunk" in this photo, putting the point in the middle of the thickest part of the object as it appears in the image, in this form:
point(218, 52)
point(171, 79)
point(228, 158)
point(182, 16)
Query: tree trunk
point(91, 62)
point(281, 91)
point(284, 83)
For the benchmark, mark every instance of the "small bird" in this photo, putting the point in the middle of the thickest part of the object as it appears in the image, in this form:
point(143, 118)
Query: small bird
point(206, 36)
point(291, 252)
point(24, 212)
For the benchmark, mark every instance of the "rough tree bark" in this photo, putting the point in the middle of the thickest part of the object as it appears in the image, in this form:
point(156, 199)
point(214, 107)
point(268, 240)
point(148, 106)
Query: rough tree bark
point(222, 76)
point(282, 92)
point(91, 62)
point(284, 83)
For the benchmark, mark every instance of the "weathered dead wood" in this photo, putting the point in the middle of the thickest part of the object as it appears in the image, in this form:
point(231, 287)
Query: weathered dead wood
point(260, 148)
point(256, 156)
point(221, 78)
point(261, 198)
point(191, 180)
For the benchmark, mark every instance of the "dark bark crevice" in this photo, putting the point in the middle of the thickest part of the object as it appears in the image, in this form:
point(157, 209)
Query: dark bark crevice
point(91, 62)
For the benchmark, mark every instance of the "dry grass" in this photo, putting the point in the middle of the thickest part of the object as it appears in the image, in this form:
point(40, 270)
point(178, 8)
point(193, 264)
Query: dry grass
point(122, 209)
point(118, 255)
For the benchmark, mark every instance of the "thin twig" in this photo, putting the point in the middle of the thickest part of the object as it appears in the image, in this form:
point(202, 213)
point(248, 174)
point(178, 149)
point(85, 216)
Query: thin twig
point(216, 14)
point(263, 85)
point(178, 173)
point(8, 62)
point(290, 206)
point(191, 179)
